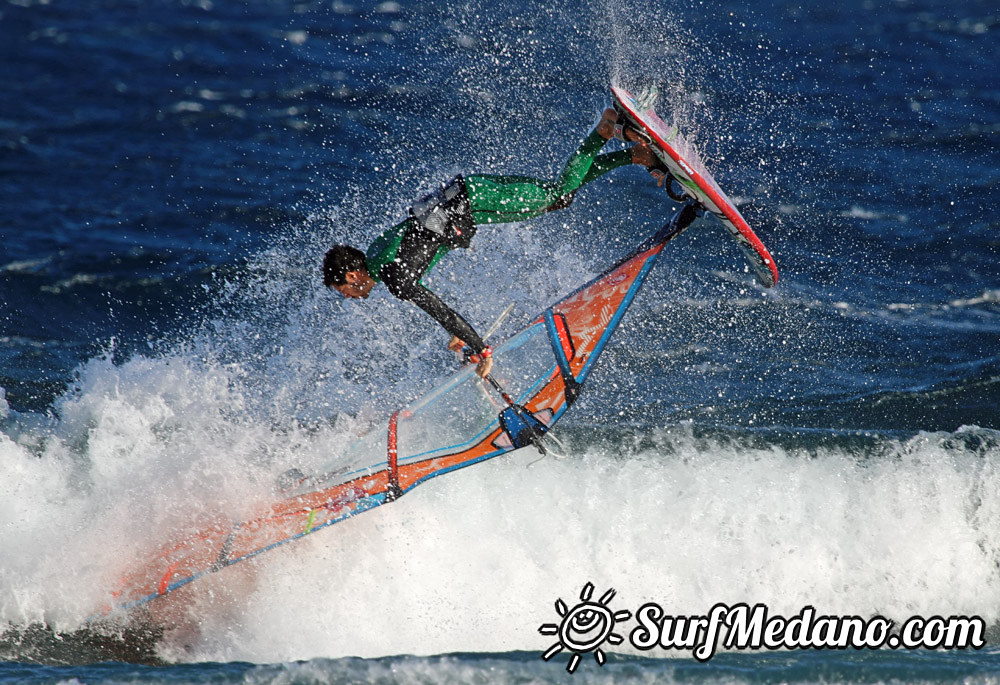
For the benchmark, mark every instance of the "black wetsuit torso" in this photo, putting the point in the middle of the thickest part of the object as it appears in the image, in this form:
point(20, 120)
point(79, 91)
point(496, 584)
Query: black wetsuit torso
point(414, 257)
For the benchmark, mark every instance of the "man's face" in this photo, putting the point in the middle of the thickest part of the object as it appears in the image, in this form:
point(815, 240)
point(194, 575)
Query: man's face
point(357, 285)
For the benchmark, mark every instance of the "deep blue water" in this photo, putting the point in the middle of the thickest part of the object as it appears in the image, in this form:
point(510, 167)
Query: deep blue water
point(172, 171)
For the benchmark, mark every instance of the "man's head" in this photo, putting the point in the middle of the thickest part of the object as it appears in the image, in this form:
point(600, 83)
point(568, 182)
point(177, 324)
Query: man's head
point(345, 271)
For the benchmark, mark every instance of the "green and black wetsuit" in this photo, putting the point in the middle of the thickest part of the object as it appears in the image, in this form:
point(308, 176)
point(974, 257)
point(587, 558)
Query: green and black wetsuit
point(403, 254)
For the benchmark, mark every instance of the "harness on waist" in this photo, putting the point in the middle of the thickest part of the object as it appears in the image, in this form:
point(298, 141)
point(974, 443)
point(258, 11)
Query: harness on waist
point(447, 213)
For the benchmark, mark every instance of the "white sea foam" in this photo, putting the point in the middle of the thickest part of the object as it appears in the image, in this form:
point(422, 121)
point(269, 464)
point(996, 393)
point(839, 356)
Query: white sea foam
point(474, 560)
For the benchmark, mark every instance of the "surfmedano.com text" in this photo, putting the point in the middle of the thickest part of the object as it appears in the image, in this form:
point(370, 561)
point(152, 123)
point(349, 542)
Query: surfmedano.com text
point(741, 627)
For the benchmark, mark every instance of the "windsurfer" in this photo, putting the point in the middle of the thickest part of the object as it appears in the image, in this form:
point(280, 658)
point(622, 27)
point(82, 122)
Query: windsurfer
point(449, 218)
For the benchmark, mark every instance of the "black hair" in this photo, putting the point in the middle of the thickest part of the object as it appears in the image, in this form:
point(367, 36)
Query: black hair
point(338, 261)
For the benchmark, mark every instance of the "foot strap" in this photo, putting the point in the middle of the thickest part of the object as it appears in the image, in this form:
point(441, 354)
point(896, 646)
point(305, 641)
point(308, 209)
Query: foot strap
point(663, 177)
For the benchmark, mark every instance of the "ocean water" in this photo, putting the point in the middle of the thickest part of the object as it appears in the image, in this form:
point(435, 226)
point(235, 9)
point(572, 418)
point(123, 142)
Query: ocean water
point(171, 172)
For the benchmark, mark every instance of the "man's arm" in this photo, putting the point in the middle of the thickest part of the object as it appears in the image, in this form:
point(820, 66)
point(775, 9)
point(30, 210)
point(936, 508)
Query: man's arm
point(406, 287)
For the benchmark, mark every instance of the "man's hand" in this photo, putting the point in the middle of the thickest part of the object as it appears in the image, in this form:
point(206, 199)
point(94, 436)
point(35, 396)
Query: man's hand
point(483, 366)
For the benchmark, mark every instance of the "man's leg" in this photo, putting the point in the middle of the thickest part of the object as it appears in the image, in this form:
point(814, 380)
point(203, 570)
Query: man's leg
point(500, 199)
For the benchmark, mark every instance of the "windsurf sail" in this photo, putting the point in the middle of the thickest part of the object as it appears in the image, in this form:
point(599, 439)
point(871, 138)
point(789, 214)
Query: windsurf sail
point(462, 422)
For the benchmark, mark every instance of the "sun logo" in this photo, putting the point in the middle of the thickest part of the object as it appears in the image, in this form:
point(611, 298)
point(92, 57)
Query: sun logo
point(584, 628)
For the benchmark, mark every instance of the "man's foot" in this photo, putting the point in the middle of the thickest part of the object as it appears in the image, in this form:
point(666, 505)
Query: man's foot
point(606, 126)
point(610, 126)
point(644, 155)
